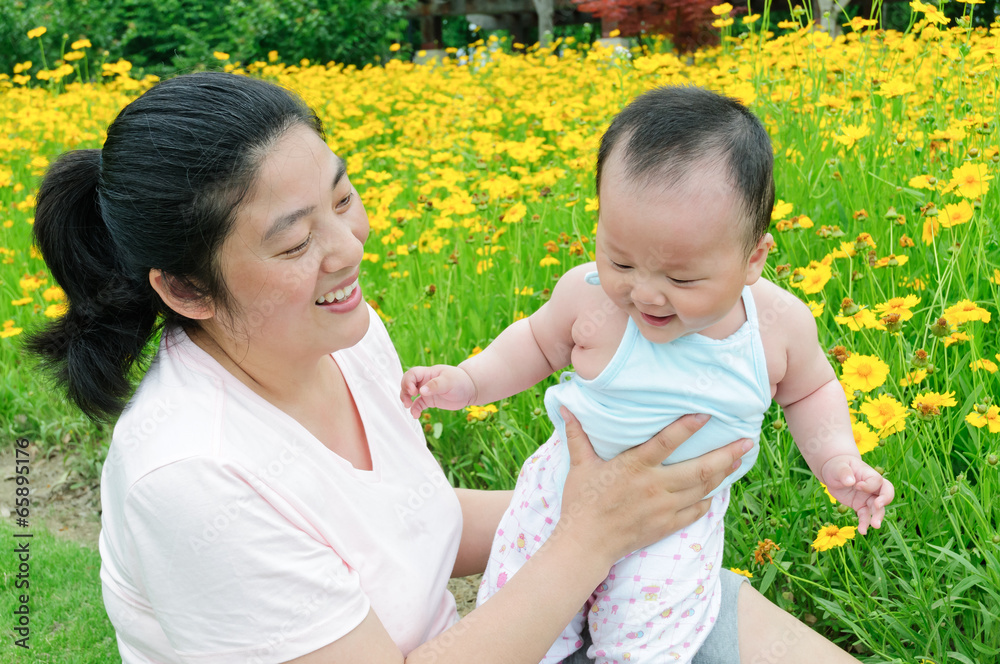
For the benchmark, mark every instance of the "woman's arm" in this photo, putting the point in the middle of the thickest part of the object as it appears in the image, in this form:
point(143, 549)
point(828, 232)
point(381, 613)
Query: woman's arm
point(610, 508)
point(481, 512)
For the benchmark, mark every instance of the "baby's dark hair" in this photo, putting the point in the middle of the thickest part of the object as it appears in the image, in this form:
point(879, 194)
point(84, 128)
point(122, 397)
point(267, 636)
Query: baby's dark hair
point(668, 130)
point(161, 194)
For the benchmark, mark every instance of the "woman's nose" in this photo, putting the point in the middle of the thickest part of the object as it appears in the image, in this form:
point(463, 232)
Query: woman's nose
point(341, 248)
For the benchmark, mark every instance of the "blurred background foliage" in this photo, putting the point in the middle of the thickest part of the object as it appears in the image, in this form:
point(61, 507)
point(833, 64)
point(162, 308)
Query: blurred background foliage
point(179, 35)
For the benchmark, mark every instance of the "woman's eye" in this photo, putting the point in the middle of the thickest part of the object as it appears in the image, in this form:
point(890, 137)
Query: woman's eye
point(301, 247)
point(345, 201)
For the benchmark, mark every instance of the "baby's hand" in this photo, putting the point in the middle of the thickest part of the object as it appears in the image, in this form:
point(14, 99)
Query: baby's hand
point(440, 386)
point(856, 484)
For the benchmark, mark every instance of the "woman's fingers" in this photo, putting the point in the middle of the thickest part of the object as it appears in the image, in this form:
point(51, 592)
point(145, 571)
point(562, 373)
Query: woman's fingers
point(660, 446)
point(577, 442)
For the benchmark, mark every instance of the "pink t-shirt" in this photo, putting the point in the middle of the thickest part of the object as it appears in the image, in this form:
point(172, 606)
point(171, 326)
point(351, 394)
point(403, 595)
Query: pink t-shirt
point(230, 534)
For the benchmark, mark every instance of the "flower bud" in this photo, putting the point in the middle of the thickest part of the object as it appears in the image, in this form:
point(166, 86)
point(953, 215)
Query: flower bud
point(919, 358)
point(880, 470)
point(892, 322)
point(940, 327)
point(848, 308)
point(783, 271)
point(952, 490)
point(778, 425)
point(842, 508)
point(992, 459)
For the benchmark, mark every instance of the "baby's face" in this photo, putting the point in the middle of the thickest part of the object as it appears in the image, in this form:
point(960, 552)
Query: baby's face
point(674, 259)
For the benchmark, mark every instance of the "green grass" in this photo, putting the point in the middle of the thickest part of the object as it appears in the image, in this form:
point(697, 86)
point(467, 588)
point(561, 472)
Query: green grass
point(67, 619)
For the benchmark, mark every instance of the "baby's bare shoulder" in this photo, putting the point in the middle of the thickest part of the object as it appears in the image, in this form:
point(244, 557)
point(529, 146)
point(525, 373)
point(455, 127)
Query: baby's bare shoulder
point(779, 312)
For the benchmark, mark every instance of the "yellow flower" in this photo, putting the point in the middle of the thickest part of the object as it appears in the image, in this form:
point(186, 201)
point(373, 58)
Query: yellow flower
point(9, 330)
point(955, 214)
point(54, 293)
point(815, 277)
point(923, 182)
point(515, 213)
point(885, 414)
point(895, 87)
point(80, 44)
point(548, 260)
point(21, 302)
point(828, 494)
point(394, 47)
point(724, 8)
point(990, 418)
point(864, 372)
point(931, 403)
point(996, 276)
point(751, 18)
point(930, 230)
point(851, 135)
point(741, 572)
point(272, 56)
point(898, 305)
point(30, 283)
point(983, 364)
point(863, 320)
point(780, 210)
point(965, 311)
point(816, 308)
point(830, 536)
point(37, 32)
point(956, 337)
point(892, 260)
point(722, 22)
point(970, 180)
point(858, 22)
point(614, 33)
point(56, 310)
point(480, 413)
point(220, 55)
point(864, 437)
point(913, 377)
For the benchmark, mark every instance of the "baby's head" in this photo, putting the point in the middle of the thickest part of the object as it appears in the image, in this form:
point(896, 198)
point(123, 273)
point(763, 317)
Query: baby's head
point(685, 182)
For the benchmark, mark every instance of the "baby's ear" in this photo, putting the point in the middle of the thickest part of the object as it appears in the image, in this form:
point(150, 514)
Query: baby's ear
point(758, 257)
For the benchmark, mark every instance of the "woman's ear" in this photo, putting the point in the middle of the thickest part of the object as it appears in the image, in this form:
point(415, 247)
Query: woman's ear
point(758, 257)
point(180, 297)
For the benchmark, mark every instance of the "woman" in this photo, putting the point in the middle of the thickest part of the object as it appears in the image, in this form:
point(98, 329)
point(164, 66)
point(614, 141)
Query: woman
point(266, 498)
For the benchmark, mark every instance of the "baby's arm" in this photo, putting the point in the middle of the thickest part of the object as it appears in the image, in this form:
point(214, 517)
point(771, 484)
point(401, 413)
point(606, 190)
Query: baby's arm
point(524, 354)
point(818, 419)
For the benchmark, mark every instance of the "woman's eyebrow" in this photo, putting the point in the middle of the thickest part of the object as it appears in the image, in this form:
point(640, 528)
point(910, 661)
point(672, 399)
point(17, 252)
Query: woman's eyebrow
point(285, 221)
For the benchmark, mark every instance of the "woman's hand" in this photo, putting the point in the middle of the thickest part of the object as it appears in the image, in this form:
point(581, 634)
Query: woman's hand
point(614, 507)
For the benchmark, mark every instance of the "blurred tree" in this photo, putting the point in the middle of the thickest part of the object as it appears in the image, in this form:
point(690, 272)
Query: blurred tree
point(687, 22)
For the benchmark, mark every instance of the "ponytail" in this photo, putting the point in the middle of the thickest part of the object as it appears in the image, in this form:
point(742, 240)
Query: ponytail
point(92, 349)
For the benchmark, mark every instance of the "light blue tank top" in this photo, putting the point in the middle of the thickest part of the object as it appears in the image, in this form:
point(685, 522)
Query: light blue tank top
point(646, 386)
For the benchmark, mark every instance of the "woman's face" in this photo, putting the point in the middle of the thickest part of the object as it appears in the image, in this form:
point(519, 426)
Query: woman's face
point(293, 258)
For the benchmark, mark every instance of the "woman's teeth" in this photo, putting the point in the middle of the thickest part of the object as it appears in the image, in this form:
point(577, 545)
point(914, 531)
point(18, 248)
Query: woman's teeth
point(338, 295)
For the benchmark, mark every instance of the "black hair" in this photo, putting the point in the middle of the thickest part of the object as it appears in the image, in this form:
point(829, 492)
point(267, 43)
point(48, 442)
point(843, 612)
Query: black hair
point(161, 194)
point(667, 130)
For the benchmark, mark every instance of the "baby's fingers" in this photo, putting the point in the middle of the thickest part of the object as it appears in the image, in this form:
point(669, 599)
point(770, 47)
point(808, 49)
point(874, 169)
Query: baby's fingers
point(864, 519)
point(438, 385)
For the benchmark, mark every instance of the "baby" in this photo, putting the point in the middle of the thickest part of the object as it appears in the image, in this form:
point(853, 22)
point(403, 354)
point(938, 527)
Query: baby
point(673, 317)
